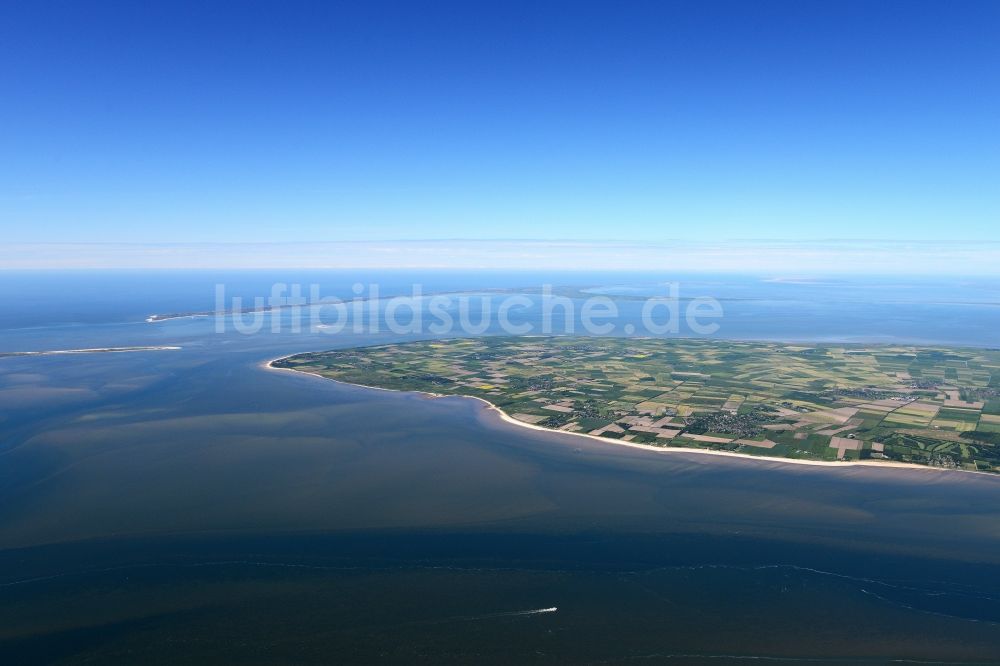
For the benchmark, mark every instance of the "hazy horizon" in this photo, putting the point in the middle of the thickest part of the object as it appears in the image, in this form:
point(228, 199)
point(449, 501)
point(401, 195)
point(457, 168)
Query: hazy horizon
point(771, 257)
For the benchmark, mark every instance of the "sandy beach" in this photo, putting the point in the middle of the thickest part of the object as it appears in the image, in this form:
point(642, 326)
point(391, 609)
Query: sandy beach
point(95, 350)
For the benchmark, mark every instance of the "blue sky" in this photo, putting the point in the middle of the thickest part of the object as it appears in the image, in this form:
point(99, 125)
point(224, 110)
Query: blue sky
point(149, 122)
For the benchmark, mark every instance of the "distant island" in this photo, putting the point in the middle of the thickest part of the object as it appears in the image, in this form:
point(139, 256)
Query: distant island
point(197, 314)
point(94, 350)
point(556, 291)
point(920, 405)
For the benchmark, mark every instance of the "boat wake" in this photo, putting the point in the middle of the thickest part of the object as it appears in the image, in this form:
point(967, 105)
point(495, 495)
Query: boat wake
point(491, 616)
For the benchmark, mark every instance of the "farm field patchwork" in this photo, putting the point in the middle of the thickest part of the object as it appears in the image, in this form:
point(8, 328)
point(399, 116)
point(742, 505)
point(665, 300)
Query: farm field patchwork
point(926, 405)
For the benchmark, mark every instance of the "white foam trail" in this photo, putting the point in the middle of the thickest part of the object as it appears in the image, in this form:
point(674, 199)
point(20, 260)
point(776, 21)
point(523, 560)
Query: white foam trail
point(489, 616)
point(534, 612)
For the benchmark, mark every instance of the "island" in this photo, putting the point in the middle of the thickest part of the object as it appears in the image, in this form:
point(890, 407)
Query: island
point(94, 350)
point(930, 406)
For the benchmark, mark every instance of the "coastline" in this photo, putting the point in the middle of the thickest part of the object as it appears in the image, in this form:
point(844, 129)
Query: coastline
point(93, 350)
point(841, 464)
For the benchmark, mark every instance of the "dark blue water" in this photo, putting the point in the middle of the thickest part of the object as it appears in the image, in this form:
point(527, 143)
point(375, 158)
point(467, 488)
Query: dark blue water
point(190, 505)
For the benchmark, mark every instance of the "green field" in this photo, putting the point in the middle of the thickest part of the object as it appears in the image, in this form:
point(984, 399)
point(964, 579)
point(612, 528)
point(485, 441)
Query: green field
point(932, 406)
